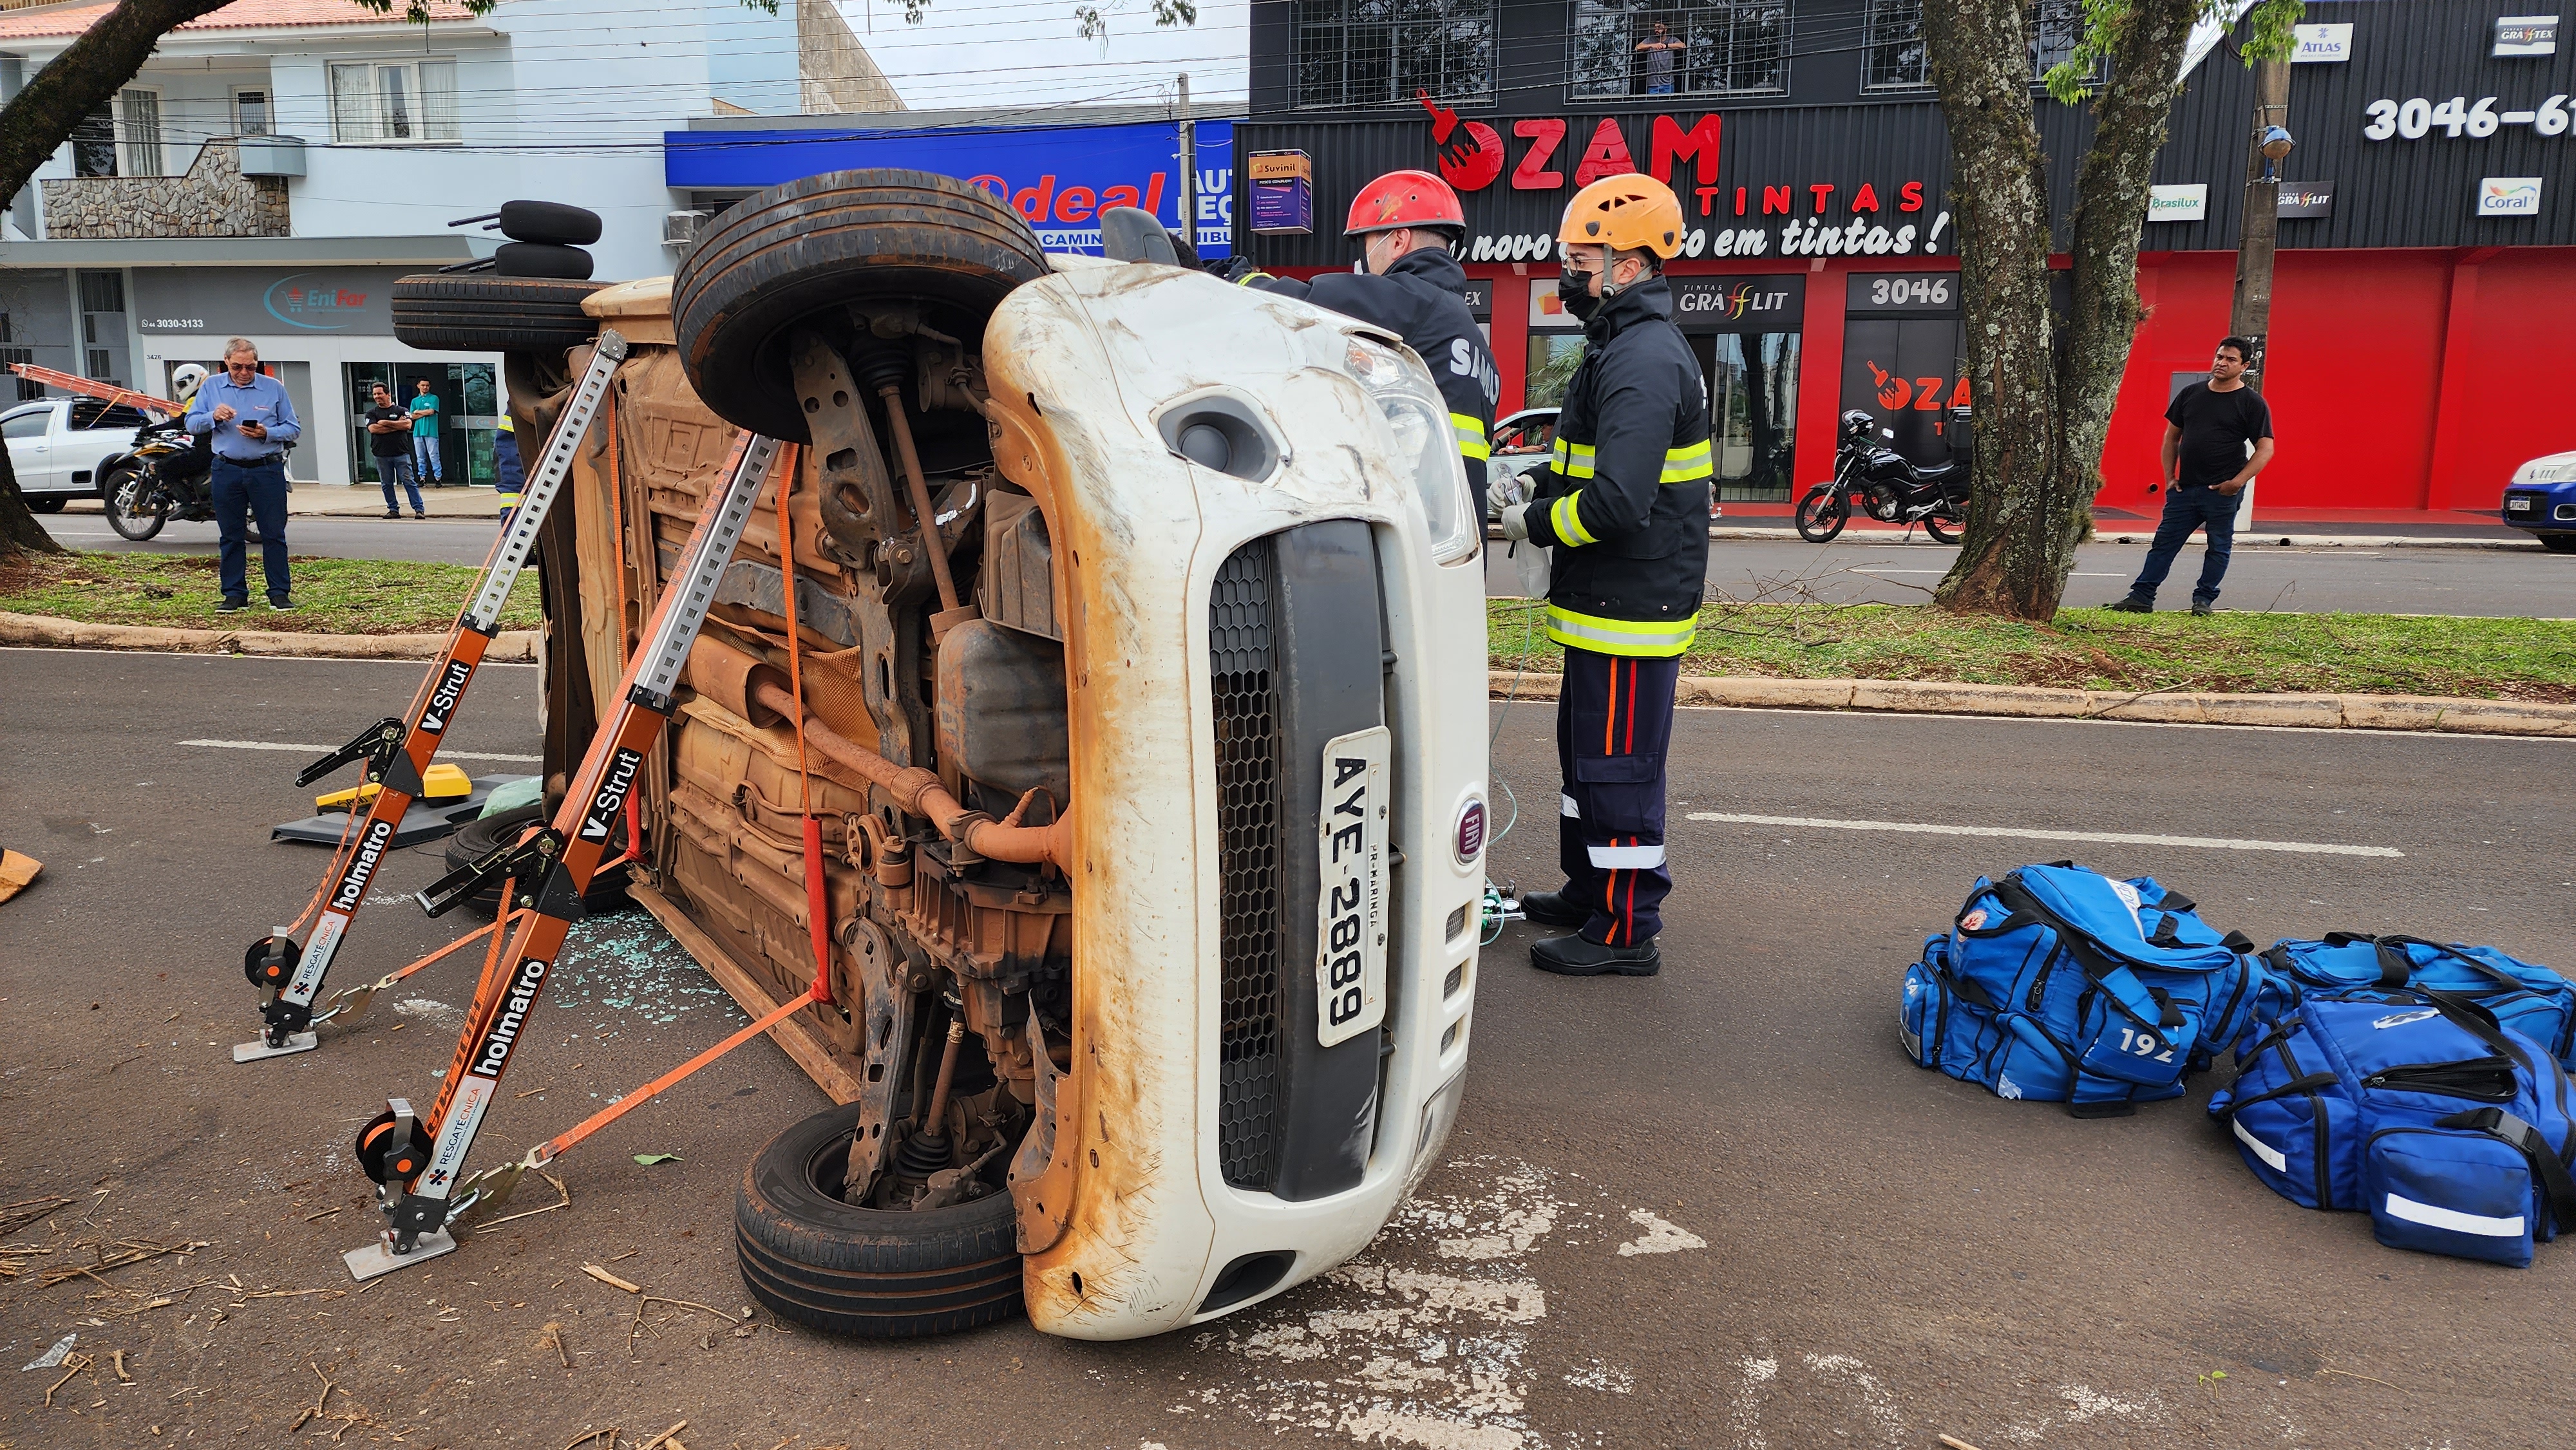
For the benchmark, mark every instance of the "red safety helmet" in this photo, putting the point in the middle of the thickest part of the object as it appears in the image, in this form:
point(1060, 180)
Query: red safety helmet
point(1404, 199)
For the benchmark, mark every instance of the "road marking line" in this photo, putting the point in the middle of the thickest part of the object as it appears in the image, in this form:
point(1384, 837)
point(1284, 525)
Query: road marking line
point(2108, 838)
point(327, 749)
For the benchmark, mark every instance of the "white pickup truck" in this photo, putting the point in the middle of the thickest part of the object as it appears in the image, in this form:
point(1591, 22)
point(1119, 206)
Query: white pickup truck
point(60, 447)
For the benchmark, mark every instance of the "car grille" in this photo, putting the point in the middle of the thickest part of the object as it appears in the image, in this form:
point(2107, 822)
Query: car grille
point(1243, 685)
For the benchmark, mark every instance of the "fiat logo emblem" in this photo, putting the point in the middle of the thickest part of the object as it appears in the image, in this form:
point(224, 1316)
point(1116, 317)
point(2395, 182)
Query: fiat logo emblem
point(1471, 832)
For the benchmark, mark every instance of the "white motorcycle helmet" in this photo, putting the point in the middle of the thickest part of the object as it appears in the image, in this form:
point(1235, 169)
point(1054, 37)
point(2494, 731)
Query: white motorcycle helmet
point(185, 377)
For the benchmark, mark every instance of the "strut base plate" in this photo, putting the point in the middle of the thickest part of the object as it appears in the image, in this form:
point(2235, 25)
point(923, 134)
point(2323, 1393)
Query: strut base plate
point(257, 1048)
point(376, 1259)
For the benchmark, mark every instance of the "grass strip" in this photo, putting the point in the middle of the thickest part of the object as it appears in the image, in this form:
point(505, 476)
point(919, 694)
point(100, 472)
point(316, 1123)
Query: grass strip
point(334, 596)
point(2093, 649)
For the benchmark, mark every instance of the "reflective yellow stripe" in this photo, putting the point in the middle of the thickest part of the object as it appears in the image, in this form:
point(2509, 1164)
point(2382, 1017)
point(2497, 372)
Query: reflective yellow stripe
point(1573, 460)
point(1621, 636)
point(1688, 465)
point(1248, 278)
point(1472, 442)
point(1566, 518)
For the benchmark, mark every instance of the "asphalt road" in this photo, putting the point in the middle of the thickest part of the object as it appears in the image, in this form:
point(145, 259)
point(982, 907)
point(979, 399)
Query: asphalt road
point(2350, 579)
point(440, 541)
point(1714, 1208)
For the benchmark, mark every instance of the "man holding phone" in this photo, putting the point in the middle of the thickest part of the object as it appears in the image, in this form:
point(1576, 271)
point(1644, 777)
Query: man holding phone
point(249, 419)
point(2218, 436)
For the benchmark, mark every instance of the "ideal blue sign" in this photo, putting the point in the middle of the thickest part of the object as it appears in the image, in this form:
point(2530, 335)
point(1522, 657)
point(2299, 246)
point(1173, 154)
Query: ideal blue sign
point(1060, 178)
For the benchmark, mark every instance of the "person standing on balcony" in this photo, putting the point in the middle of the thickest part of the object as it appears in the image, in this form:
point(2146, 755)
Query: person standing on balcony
point(1658, 48)
point(424, 433)
point(250, 420)
point(389, 440)
point(1623, 509)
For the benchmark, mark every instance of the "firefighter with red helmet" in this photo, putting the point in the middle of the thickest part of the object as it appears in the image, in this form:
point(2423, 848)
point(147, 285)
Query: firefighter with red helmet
point(1623, 506)
point(1410, 283)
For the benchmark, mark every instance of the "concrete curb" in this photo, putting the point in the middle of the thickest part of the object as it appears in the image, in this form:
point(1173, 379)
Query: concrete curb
point(2320, 712)
point(510, 646)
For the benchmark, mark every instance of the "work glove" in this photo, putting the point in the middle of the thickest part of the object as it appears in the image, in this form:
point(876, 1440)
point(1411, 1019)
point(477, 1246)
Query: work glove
point(1516, 522)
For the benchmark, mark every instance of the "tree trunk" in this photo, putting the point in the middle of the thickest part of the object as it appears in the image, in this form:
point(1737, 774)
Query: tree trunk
point(19, 531)
point(2043, 392)
point(83, 78)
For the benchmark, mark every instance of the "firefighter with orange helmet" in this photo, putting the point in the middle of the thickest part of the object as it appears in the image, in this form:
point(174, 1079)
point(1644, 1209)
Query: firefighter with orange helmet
point(1409, 282)
point(1623, 506)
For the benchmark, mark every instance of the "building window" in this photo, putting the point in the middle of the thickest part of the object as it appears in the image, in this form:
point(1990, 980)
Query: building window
point(94, 144)
point(1358, 54)
point(250, 113)
point(138, 132)
point(1893, 54)
point(1895, 57)
point(378, 102)
point(1687, 47)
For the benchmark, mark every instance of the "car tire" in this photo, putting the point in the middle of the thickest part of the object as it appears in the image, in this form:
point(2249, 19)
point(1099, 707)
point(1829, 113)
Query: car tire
point(2559, 543)
point(483, 835)
point(137, 526)
point(475, 312)
point(45, 504)
point(872, 1273)
point(805, 251)
point(550, 222)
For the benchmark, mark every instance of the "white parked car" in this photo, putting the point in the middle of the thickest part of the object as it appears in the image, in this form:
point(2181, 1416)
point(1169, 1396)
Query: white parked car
point(60, 447)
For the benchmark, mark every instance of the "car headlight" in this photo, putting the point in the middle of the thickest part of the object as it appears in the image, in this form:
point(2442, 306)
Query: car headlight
point(1417, 422)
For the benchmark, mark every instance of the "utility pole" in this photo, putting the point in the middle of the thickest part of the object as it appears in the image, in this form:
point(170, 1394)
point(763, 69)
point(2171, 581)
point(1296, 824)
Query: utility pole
point(1189, 167)
point(2250, 316)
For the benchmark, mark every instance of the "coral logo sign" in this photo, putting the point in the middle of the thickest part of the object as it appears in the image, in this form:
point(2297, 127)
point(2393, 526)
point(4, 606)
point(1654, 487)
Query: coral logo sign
point(309, 301)
point(2509, 196)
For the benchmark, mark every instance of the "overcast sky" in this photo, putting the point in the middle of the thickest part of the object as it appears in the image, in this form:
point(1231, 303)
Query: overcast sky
point(971, 53)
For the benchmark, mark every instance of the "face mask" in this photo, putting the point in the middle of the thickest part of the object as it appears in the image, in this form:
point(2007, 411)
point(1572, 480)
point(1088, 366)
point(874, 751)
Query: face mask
point(1574, 289)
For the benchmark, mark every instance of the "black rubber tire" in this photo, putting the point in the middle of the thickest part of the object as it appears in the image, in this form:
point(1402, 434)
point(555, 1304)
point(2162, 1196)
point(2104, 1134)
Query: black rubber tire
point(137, 527)
point(549, 221)
point(1940, 530)
point(1822, 514)
point(480, 837)
point(477, 312)
point(2559, 543)
point(541, 259)
point(873, 1273)
point(46, 504)
point(799, 253)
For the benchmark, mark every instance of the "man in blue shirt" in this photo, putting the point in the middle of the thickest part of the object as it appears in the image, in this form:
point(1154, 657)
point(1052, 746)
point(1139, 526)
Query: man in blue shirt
point(249, 419)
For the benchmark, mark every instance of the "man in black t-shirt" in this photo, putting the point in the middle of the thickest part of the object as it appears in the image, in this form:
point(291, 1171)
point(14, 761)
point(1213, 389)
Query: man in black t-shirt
point(389, 439)
point(2218, 435)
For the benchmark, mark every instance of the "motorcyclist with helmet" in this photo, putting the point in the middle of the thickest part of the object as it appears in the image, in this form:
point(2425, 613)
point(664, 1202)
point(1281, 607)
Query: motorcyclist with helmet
point(1623, 505)
point(1409, 282)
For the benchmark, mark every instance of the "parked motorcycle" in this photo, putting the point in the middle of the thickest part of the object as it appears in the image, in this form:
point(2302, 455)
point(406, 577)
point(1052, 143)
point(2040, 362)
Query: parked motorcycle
point(165, 476)
point(1872, 478)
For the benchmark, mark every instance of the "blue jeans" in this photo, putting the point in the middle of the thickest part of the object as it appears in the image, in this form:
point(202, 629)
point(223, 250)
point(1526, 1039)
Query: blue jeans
point(393, 468)
point(2187, 508)
point(1659, 88)
point(424, 456)
point(257, 490)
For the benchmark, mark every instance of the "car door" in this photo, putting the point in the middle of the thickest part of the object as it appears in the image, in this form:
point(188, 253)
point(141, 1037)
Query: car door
point(31, 438)
point(98, 431)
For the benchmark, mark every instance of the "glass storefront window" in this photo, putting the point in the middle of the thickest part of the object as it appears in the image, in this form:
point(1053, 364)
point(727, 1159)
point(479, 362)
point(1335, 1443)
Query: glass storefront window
point(1753, 405)
point(1552, 359)
point(468, 416)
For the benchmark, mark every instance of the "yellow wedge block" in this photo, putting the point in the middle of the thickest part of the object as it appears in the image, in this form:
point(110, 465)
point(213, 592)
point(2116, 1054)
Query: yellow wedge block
point(442, 782)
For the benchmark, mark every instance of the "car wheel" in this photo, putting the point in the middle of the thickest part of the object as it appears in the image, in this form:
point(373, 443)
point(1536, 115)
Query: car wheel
point(483, 835)
point(809, 252)
point(2559, 543)
point(876, 1273)
point(46, 504)
point(1822, 514)
point(123, 493)
point(479, 313)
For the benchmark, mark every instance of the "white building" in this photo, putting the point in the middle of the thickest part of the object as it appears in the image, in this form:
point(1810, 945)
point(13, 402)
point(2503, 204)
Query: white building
point(277, 164)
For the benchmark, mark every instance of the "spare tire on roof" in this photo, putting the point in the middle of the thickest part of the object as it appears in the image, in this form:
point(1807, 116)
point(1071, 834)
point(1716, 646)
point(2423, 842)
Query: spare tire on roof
point(549, 221)
point(478, 312)
point(810, 252)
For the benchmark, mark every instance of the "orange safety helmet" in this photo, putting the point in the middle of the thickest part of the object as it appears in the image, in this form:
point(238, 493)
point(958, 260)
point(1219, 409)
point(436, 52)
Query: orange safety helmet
point(1630, 212)
point(1408, 199)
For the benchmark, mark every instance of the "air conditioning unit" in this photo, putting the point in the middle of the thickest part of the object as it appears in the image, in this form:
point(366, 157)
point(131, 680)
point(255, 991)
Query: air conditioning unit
point(680, 228)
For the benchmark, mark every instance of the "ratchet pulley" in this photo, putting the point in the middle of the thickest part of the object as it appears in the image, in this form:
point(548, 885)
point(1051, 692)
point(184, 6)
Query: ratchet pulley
point(397, 751)
point(562, 859)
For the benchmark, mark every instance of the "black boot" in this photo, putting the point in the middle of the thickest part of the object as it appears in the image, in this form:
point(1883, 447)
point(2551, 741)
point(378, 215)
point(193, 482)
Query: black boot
point(1550, 908)
point(1580, 956)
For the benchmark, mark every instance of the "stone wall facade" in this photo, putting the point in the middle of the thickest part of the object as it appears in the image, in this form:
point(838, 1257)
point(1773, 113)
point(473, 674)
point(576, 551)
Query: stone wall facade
point(213, 200)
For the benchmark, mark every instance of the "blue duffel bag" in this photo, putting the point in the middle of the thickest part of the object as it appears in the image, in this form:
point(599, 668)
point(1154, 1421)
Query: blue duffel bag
point(2452, 1132)
point(2060, 984)
point(2525, 996)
